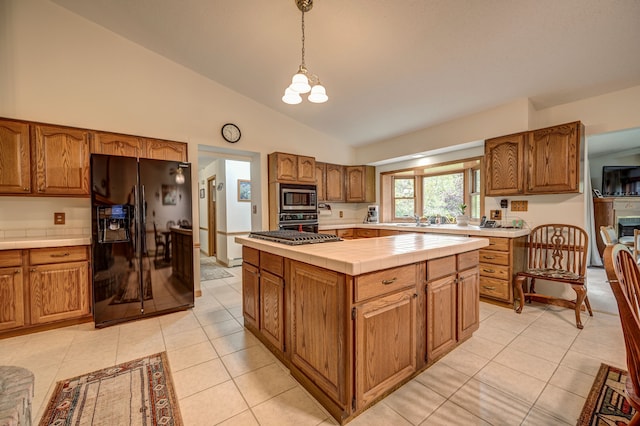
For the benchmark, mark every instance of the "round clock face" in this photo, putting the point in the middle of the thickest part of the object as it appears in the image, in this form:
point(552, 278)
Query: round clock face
point(231, 133)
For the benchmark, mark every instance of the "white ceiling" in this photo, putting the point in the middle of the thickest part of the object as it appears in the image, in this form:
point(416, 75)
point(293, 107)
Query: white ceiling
point(391, 67)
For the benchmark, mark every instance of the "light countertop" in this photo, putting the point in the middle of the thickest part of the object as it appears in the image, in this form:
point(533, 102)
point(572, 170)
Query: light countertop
point(13, 243)
point(470, 230)
point(355, 257)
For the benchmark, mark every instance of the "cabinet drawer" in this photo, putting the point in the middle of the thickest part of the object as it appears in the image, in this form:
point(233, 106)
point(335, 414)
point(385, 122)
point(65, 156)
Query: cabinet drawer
point(383, 282)
point(497, 258)
point(10, 258)
point(498, 244)
point(251, 255)
point(366, 233)
point(345, 233)
point(272, 263)
point(467, 260)
point(495, 271)
point(442, 267)
point(44, 256)
point(495, 288)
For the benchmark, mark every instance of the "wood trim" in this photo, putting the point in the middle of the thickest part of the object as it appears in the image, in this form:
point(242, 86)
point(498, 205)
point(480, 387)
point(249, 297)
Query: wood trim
point(234, 233)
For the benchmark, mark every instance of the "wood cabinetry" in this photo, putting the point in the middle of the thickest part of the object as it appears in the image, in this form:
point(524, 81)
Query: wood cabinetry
point(165, 150)
point(553, 159)
point(42, 286)
point(11, 289)
point(603, 216)
point(499, 262)
point(115, 144)
point(543, 161)
point(15, 158)
point(504, 165)
point(292, 168)
point(453, 302)
point(182, 259)
point(251, 287)
point(360, 184)
point(366, 233)
point(61, 160)
point(321, 179)
point(330, 182)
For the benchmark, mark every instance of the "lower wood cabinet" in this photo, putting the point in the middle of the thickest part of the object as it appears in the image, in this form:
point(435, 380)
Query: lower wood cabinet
point(272, 308)
point(43, 286)
point(251, 294)
point(499, 263)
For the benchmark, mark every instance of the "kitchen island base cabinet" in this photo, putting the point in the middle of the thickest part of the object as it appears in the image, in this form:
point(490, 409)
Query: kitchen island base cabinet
point(11, 290)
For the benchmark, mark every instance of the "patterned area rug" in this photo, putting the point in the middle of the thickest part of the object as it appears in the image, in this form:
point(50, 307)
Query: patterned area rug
point(606, 404)
point(138, 392)
point(210, 270)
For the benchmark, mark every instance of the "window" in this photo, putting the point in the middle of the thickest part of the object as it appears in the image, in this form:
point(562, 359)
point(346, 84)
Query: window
point(433, 190)
point(404, 199)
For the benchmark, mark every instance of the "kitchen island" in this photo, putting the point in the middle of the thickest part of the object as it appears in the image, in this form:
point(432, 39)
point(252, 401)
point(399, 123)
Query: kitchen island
point(354, 320)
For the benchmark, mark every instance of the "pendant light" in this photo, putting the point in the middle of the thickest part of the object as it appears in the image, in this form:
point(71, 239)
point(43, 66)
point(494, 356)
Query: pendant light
point(304, 81)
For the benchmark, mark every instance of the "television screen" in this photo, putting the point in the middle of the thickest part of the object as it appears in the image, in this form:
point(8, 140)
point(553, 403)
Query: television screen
point(621, 181)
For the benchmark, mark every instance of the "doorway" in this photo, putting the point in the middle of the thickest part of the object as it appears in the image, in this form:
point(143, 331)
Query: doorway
point(211, 213)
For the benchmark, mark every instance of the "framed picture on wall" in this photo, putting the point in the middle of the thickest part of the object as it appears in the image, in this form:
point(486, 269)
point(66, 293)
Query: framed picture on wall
point(201, 192)
point(169, 195)
point(244, 190)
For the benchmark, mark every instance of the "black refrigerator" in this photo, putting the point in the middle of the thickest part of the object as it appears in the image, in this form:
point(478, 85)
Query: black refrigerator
point(139, 208)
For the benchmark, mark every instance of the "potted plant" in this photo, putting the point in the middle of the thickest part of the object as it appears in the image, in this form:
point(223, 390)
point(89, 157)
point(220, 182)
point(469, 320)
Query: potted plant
point(462, 219)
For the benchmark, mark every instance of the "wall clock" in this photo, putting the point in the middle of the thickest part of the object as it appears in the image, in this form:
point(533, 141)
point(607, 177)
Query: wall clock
point(231, 133)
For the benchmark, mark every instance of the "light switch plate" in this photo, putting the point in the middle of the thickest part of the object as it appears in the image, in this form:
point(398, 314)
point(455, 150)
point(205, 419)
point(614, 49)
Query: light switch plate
point(58, 218)
point(519, 206)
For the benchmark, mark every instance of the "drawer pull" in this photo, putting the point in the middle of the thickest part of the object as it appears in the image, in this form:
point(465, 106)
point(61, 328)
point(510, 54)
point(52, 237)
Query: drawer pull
point(60, 255)
point(491, 271)
point(391, 281)
point(486, 287)
point(17, 271)
point(488, 257)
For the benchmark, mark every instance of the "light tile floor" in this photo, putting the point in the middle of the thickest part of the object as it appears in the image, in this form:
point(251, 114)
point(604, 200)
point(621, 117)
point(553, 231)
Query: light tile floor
point(530, 369)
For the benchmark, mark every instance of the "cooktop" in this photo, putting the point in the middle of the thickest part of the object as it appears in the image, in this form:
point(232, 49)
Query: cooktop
point(294, 238)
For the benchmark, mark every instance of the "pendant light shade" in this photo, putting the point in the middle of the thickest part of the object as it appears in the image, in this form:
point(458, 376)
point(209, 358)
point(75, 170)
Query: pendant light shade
point(291, 97)
point(300, 83)
point(318, 94)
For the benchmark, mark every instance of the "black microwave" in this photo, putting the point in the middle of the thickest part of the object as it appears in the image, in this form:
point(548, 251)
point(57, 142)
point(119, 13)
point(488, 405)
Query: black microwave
point(297, 197)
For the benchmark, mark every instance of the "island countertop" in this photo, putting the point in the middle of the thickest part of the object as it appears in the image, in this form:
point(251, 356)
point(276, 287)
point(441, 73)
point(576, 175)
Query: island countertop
point(355, 257)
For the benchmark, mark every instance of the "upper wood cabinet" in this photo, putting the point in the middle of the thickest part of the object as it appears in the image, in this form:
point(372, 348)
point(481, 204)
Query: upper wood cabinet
point(543, 161)
point(292, 168)
point(553, 164)
point(115, 144)
point(330, 182)
point(61, 160)
point(15, 163)
point(165, 150)
point(360, 184)
point(504, 162)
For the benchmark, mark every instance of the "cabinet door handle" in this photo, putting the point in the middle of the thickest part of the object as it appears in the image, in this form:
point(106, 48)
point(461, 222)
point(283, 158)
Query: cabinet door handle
point(25, 189)
point(60, 255)
point(491, 271)
point(391, 281)
point(17, 271)
point(486, 287)
point(32, 269)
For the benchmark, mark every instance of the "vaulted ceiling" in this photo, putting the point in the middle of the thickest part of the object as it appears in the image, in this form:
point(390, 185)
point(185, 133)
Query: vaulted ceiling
point(391, 67)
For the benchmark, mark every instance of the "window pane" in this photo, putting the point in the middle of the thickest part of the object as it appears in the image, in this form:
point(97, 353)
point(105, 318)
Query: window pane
point(404, 207)
point(442, 194)
point(474, 211)
point(476, 180)
point(403, 188)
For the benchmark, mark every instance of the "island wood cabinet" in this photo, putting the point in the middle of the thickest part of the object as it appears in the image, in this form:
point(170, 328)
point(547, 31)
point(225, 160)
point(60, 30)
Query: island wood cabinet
point(543, 161)
point(43, 286)
point(291, 168)
point(385, 323)
point(11, 289)
point(16, 159)
point(350, 340)
point(263, 296)
point(360, 184)
point(499, 262)
point(453, 302)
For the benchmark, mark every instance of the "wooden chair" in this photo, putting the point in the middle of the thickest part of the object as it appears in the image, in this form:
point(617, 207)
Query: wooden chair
point(636, 245)
point(557, 253)
point(624, 278)
point(608, 235)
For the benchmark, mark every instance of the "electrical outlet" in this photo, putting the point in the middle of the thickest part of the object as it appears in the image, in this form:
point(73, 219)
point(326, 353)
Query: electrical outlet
point(58, 218)
point(519, 206)
point(341, 213)
point(496, 214)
